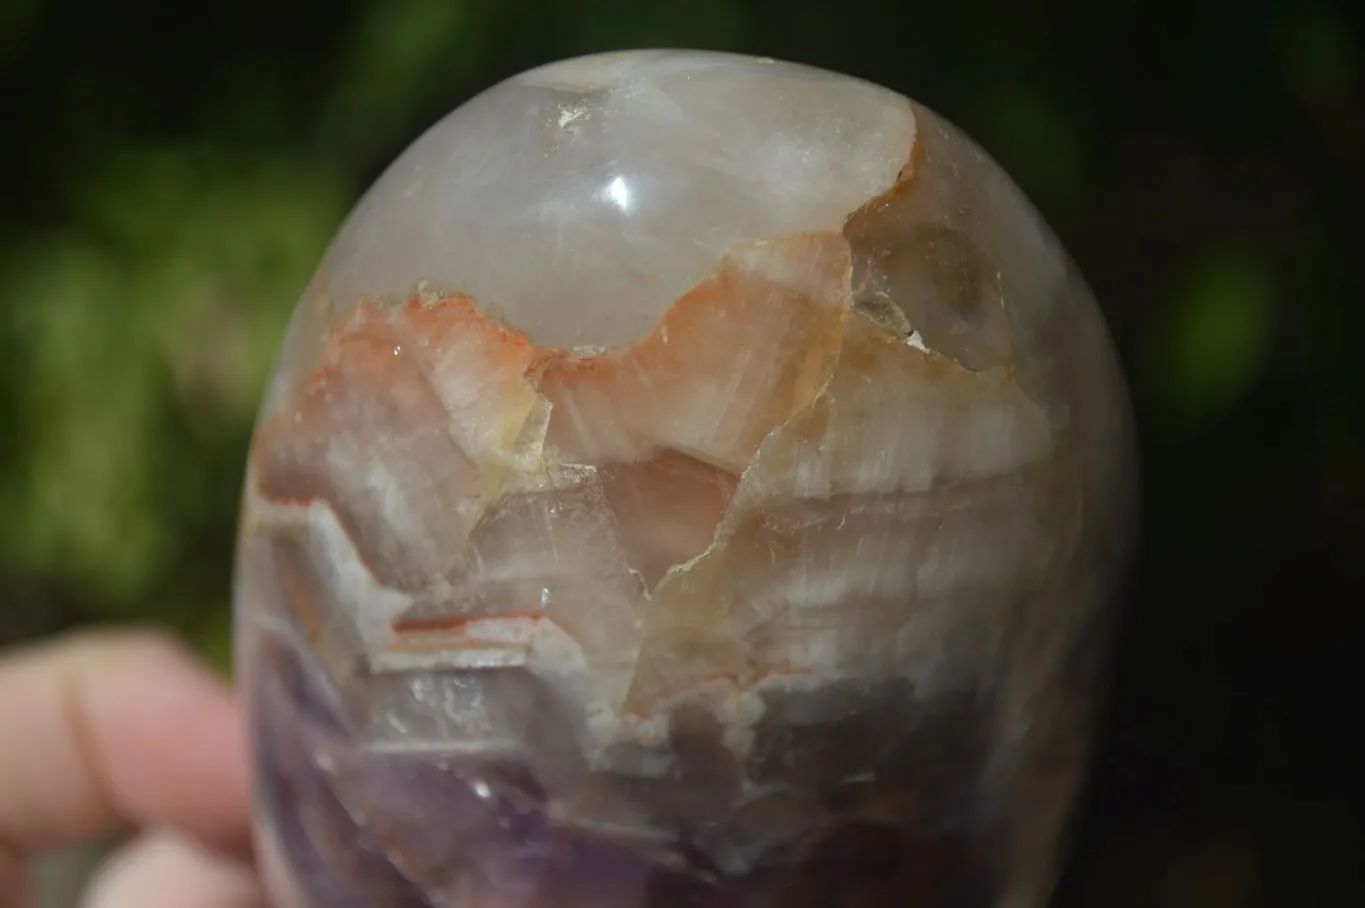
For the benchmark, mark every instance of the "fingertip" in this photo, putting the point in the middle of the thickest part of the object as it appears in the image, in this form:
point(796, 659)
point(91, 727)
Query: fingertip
point(14, 880)
point(162, 870)
point(118, 727)
point(179, 756)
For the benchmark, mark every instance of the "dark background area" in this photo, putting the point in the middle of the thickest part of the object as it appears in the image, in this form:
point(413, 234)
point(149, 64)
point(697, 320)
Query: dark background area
point(170, 172)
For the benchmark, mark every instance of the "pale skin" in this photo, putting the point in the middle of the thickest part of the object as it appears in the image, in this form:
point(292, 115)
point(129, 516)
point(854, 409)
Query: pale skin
point(125, 733)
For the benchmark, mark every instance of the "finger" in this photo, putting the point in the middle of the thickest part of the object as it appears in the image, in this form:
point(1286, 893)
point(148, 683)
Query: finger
point(162, 870)
point(14, 881)
point(111, 729)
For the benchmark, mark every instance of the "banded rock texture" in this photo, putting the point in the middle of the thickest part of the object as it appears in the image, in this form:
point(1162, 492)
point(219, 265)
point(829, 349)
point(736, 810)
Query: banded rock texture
point(688, 480)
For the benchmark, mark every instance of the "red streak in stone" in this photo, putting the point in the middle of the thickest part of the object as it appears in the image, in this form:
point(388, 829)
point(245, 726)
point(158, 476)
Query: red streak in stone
point(452, 624)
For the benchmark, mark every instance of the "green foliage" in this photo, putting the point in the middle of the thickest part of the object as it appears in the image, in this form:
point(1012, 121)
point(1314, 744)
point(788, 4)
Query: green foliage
point(1318, 54)
point(1034, 142)
point(144, 327)
point(1215, 341)
point(398, 57)
point(17, 19)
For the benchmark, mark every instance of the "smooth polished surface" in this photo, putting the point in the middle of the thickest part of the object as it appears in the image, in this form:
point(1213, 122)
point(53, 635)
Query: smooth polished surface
point(689, 480)
point(579, 181)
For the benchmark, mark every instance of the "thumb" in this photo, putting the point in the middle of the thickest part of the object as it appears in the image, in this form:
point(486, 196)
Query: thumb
point(162, 870)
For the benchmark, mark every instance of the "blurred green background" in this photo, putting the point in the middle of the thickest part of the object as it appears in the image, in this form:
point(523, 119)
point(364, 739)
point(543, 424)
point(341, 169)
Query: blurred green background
point(170, 173)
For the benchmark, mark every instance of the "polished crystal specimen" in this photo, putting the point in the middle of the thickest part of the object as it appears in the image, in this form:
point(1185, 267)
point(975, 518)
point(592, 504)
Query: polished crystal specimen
point(689, 480)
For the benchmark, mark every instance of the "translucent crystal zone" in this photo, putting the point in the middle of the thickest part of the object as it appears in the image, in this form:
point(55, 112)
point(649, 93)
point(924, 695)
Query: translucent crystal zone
point(724, 518)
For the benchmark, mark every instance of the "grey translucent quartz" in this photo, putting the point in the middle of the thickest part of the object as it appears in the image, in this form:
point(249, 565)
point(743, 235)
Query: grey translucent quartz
point(808, 608)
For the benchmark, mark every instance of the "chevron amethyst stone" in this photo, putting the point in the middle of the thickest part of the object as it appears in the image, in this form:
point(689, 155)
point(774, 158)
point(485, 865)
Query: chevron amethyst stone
point(689, 480)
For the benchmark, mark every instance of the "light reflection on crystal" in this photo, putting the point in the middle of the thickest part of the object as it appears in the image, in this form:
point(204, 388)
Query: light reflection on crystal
point(618, 192)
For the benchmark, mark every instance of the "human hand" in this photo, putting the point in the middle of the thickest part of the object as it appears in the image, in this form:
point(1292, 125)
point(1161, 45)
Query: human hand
point(106, 732)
